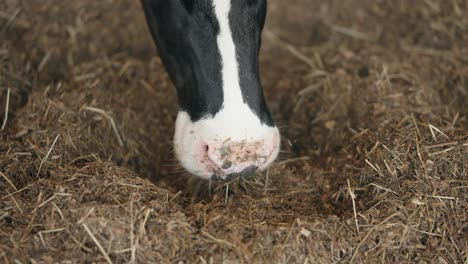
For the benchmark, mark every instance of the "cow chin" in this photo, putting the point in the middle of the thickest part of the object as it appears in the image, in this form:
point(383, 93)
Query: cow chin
point(225, 144)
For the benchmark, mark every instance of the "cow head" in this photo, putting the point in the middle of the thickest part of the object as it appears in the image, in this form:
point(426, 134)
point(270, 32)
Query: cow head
point(210, 49)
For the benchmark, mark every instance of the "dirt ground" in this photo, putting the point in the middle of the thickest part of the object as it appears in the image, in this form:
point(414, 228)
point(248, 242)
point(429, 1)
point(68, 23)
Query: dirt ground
point(371, 97)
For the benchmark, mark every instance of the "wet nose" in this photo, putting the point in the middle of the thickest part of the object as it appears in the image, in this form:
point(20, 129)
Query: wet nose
point(235, 158)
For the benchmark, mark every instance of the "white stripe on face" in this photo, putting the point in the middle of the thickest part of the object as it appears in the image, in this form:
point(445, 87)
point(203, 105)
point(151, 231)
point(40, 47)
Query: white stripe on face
point(230, 71)
point(235, 133)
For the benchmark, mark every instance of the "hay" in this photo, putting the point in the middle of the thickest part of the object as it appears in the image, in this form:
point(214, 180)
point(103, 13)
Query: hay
point(372, 108)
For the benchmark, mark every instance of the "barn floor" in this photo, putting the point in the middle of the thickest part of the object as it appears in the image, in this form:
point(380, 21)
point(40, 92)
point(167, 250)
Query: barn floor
point(371, 97)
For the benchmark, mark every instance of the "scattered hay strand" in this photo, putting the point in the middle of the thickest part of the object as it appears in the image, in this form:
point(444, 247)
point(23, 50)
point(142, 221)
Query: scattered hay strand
point(86, 215)
point(433, 128)
point(86, 76)
point(383, 188)
point(304, 158)
point(369, 233)
point(351, 33)
point(353, 198)
point(46, 202)
point(111, 120)
point(267, 178)
point(443, 54)
point(416, 125)
point(44, 61)
point(8, 180)
point(176, 195)
point(47, 155)
point(7, 105)
point(289, 232)
point(15, 202)
point(143, 224)
point(219, 241)
point(41, 237)
point(227, 193)
point(11, 19)
point(59, 211)
point(132, 238)
point(441, 151)
point(454, 143)
point(20, 190)
point(293, 50)
point(375, 168)
point(360, 244)
point(101, 249)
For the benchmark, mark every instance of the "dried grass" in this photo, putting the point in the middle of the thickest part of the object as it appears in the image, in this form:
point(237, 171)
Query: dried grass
point(373, 116)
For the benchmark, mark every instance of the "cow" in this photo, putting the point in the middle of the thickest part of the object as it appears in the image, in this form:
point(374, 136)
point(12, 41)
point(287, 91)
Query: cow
point(210, 49)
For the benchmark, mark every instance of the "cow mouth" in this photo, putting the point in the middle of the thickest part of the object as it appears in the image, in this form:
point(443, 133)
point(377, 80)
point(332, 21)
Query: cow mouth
point(237, 161)
point(247, 172)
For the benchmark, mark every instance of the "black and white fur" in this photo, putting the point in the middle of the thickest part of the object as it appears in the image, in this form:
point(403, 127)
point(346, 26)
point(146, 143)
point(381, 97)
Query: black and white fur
point(210, 49)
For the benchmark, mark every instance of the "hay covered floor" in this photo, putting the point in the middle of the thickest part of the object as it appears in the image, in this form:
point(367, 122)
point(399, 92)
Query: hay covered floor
point(371, 97)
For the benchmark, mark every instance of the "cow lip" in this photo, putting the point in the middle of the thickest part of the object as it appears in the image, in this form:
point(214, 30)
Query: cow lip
point(247, 172)
point(224, 175)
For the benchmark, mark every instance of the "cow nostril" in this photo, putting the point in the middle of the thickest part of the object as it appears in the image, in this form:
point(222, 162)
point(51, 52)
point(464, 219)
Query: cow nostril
point(219, 157)
point(226, 165)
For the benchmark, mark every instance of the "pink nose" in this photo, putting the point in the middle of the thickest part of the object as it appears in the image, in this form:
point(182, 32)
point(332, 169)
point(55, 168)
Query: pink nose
point(239, 158)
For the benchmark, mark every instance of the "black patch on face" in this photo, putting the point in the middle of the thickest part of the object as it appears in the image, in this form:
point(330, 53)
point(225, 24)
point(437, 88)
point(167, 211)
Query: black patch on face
point(185, 33)
point(247, 19)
